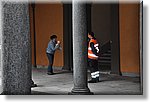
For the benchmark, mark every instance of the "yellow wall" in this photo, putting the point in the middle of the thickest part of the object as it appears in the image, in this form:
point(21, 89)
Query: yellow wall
point(48, 20)
point(129, 38)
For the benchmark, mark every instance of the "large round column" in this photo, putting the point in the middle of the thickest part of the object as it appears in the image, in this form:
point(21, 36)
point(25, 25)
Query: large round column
point(80, 49)
point(16, 49)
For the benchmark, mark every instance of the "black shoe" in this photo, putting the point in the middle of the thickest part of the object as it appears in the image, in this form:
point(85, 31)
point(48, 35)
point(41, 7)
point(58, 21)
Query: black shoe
point(92, 81)
point(97, 79)
point(34, 85)
point(50, 73)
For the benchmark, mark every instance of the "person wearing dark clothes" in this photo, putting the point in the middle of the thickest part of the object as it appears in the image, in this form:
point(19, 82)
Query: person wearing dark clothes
point(53, 45)
point(93, 50)
point(33, 84)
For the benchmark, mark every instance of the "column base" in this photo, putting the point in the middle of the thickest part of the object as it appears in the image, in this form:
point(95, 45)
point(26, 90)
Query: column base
point(80, 92)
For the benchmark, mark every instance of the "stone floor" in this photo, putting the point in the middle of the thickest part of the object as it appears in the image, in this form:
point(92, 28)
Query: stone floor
point(61, 83)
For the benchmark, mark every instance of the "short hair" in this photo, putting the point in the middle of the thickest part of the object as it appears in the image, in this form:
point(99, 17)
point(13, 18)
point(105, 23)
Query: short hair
point(53, 36)
point(91, 33)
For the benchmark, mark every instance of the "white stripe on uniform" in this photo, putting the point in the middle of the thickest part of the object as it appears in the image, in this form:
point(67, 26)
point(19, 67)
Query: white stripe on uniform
point(94, 73)
point(92, 55)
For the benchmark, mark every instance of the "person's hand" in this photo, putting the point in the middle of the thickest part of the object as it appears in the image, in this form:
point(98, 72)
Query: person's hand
point(58, 42)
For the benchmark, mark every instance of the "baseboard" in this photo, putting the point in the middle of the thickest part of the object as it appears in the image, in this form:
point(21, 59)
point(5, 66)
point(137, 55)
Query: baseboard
point(45, 67)
point(130, 74)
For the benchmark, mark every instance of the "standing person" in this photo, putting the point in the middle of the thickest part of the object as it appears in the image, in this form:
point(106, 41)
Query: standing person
point(93, 51)
point(53, 45)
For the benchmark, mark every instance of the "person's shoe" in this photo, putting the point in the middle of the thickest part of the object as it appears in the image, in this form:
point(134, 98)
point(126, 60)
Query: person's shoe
point(97, 79)
point(50, 73)
point(33, 85)
point(92, 81)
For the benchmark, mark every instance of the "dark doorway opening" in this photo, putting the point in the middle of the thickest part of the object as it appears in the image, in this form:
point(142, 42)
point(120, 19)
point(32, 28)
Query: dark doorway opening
point(67, 31)
point(104, 22)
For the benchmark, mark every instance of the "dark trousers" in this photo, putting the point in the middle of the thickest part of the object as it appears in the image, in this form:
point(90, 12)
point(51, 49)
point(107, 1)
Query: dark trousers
point(51, 59)
point(93, 65)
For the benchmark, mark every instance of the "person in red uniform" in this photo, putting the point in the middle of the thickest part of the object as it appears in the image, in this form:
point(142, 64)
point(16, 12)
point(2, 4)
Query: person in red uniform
point(93, 50)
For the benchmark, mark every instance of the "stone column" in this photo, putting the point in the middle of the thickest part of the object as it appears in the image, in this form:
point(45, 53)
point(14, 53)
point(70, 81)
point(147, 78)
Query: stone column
point(16, 49)
point(80, 49)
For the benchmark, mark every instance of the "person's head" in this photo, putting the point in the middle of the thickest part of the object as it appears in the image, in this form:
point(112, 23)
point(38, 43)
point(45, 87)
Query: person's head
point(90, 35)
point(53, 38)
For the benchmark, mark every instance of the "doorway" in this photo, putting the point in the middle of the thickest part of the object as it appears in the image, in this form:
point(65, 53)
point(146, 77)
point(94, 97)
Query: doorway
point(67, 31)
point(105, 25)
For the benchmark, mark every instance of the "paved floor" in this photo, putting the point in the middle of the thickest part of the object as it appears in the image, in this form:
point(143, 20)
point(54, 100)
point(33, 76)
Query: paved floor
point(61, 83)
